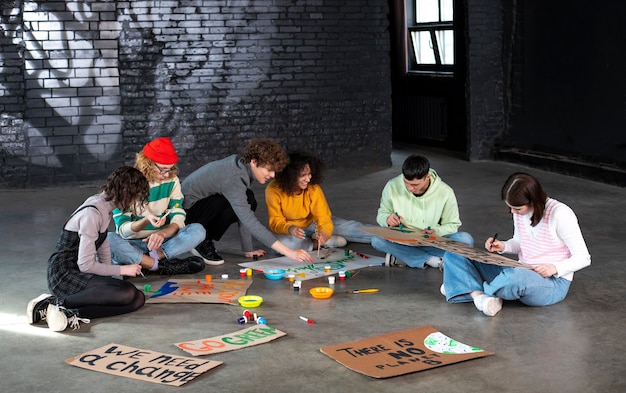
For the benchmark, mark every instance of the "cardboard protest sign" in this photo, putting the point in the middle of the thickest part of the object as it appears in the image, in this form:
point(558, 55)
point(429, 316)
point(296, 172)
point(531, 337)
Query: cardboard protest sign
point(333, 257)
point(402, 352)
point(200, 291)
point(142, 364)
point(418, 239)
point(259, 334)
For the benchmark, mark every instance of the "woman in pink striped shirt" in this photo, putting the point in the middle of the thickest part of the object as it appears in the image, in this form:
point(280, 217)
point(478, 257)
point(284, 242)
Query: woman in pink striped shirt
point(546, 237)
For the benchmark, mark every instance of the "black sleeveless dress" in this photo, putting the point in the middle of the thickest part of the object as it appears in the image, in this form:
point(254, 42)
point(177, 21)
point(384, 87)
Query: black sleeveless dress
point(64, 276)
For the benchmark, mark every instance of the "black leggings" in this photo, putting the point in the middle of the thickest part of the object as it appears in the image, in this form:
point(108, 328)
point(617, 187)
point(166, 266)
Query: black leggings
point(216, 214)
point(105, 297)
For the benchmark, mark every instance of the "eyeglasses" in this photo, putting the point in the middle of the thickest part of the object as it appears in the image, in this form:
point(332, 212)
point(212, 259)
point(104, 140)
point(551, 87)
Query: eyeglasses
point(164, 171)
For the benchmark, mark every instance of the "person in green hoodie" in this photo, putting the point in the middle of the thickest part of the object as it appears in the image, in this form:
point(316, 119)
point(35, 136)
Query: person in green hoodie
point(419, 200)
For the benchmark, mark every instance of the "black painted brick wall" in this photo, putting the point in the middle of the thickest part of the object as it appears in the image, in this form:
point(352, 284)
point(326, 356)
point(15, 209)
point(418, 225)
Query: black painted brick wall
point(313, 74)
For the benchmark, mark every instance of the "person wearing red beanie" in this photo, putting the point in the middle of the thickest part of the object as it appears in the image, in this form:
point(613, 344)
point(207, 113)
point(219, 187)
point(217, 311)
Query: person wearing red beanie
point(161, 150)
point(154, 235)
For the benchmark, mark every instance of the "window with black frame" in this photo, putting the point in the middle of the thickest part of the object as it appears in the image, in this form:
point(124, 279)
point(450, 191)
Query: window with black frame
point(430, 25)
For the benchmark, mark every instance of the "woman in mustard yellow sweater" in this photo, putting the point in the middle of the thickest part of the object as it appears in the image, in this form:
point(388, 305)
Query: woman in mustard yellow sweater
point(298, 211)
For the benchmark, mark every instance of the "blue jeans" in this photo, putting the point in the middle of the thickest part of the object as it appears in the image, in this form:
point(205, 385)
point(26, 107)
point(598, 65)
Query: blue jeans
point(462, 276)
point(417, 256)
point(130, 251)
point(344, 228)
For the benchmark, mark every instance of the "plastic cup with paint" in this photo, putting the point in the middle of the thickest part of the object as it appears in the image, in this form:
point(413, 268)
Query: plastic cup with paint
point(242, 272)
point(292, 277)
point(331, 280)
point(327, 268)
point(342, 275)
point(248, 272)
point(208, 278)
point(297, 285)
point(224, 276)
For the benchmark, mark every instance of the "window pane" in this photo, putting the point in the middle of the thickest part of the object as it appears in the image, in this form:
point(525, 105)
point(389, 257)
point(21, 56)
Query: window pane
point(427, 11)
point(445, 39)
point(447, 13)
point(422, 47)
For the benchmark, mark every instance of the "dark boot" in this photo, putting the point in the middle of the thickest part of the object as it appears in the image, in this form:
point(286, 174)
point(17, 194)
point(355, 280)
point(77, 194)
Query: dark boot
point(190, 265)
point(206, 250)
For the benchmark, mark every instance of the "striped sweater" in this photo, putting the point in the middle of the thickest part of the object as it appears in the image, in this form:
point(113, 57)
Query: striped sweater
point(165, 196)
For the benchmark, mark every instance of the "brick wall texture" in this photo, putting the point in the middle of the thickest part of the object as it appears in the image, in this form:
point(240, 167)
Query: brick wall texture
point(85, 84)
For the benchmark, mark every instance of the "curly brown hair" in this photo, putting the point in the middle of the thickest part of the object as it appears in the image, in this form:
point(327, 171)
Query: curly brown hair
point(126, 187)
point(148, 167)
point(267, 153)
point(287, 179)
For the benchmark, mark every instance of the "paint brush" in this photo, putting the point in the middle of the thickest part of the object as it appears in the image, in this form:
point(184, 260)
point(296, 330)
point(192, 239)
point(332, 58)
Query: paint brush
point(317, 235)
point(369, 290)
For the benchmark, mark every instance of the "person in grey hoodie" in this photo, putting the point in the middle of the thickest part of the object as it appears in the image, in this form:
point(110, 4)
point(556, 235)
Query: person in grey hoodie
point(218, 194)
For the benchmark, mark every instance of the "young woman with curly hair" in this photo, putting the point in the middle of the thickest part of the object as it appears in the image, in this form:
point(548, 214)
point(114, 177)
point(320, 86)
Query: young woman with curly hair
point(80, 273)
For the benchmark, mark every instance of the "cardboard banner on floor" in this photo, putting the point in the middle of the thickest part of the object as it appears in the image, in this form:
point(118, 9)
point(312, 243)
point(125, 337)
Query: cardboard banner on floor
point(402, 352)
point(142, 364)
point(200, 291)
point(255, 335)
point(418, 239)
point(336, 258)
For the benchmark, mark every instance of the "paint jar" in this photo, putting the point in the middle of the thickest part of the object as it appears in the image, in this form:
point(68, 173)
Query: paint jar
point(342, 275)
point(242, 320)
point(331, 280)
point(224, 276)
point(291, 277)
point(297, 285)
point(248, 314)
point(242, 272)
point(248, 272)
point(208, 278)
point(147, 288)
point(327, 269)
point(346, 253)
point(261, 321)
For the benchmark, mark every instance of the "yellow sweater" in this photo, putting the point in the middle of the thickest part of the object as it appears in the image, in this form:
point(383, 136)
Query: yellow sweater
point(300, 210)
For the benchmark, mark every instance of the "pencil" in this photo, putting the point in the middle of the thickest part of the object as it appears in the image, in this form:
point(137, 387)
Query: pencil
point(370, 290)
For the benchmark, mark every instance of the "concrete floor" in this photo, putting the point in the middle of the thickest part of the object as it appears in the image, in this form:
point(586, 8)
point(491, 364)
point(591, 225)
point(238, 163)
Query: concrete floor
point(573, 346)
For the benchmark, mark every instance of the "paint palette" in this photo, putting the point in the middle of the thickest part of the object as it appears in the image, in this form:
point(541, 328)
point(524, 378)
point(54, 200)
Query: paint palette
point(321, 292)
point(250, 301)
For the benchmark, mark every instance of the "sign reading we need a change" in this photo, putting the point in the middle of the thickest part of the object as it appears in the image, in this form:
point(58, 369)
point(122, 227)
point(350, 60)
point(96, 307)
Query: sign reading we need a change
point(142, 364)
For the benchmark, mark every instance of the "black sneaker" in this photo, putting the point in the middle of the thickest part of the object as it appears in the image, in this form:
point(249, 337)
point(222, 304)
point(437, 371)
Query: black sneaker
point(206, 250)
point(189, 265)
point(38, 307)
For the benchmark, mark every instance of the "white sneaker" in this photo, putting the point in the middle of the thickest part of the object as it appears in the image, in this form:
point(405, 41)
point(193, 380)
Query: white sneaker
point(60, 318)
point(391, 261)
point(335, 241)
point(435, 262)
point(489, 305)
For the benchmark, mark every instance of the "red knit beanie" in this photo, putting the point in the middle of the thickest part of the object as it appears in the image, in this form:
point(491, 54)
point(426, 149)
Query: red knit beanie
point(161, 151)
